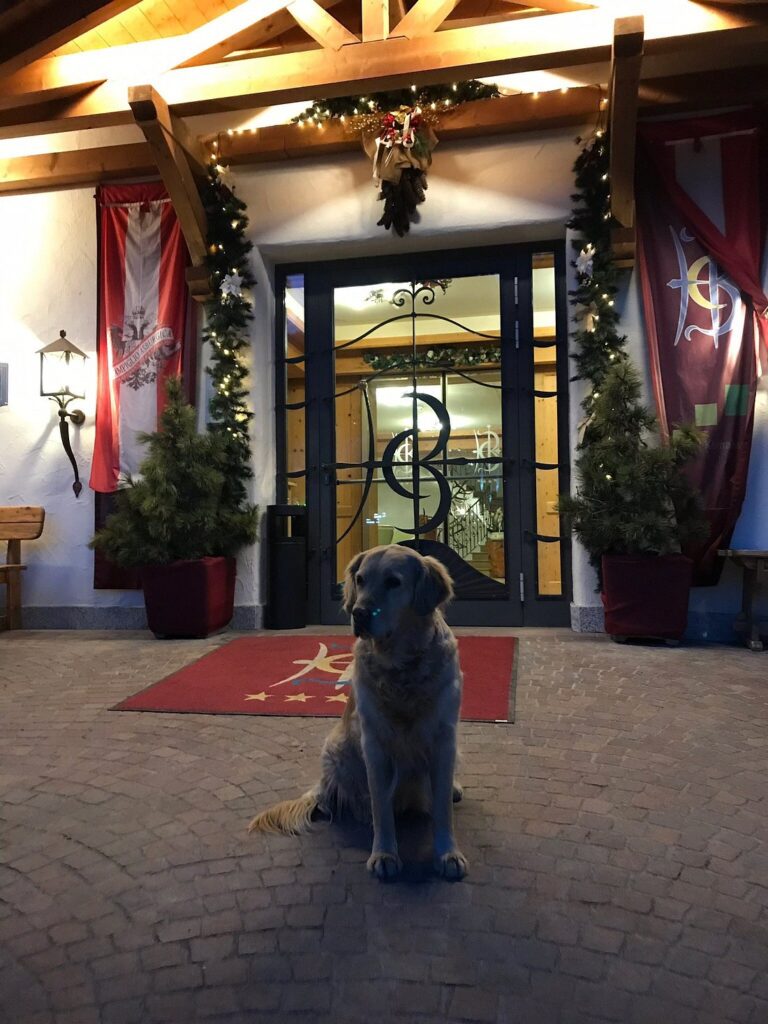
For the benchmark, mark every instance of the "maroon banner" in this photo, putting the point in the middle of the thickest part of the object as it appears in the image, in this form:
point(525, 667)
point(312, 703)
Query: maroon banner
point(143, 304)
point(700, 237)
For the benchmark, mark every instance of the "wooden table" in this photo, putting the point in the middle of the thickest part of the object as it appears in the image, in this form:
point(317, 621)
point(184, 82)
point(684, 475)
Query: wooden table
point(755, 566)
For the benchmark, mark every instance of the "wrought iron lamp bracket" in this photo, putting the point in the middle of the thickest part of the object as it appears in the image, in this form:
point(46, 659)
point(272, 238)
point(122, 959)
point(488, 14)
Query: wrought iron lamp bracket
point(78, 418)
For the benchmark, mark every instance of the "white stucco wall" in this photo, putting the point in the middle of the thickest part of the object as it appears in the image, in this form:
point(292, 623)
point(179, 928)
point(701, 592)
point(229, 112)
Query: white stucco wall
point(480, 193)
point(47, 284)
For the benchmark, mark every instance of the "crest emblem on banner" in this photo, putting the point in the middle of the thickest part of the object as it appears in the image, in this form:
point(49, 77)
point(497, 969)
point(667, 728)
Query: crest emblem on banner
point(139, 352)
point(704, 292)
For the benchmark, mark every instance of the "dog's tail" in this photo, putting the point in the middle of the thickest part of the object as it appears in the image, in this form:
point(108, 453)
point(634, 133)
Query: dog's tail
point(290, 818)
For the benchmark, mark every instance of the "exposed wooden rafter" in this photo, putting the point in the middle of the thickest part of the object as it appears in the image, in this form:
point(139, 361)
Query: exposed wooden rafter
point(375, 19)
point(161, 131)
point(320, 25)
point(424, 18)
point(262, 31)
point(554, 6)
point(623, 107)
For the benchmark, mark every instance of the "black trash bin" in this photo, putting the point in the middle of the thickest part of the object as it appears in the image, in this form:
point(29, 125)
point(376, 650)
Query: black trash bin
point(286, 567)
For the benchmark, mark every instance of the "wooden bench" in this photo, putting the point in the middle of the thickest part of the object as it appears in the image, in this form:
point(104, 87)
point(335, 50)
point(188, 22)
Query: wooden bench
point(16, 524)
point(755, 566)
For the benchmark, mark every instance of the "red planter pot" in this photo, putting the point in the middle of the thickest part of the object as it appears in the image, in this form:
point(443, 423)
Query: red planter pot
point(189, 598)
point(646, 595)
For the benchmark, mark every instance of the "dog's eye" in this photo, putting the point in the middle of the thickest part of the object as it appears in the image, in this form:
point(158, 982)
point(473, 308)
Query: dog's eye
point(359, 580)
point(391, 582)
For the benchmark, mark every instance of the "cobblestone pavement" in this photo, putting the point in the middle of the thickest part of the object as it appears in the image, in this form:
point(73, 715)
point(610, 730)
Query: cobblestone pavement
point(617, 834)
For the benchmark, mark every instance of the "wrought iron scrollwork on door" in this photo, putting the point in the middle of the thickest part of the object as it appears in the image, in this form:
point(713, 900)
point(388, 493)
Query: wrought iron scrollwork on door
point(392, 463)
point(419, 461)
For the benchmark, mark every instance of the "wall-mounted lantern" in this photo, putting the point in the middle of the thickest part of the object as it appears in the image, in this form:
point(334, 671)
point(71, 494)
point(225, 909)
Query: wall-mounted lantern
point(62, 378)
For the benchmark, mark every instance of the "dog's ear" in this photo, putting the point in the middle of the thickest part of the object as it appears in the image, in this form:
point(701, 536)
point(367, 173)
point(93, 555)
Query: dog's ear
point(350, 590)
point(434, 587)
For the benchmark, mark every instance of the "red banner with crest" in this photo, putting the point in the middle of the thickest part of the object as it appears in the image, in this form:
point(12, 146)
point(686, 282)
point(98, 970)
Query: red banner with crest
point(700, 239)
point(143, 318)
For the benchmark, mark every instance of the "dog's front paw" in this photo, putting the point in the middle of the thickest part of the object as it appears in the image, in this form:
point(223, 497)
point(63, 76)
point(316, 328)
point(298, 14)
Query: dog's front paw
point(452, 866)
point(384, 865)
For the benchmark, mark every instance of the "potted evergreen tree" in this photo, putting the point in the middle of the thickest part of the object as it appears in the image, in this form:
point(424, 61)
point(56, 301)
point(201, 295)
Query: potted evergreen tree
point(181, 522)
point(634, 511)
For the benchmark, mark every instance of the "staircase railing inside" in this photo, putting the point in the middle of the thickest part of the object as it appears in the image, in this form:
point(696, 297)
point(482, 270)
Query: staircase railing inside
point(468, 528)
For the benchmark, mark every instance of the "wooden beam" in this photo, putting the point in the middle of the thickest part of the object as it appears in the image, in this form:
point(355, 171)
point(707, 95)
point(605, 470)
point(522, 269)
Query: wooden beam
point(148, 107)
point(254, 36)
point(75, 169)
point(68, 73)
point(320, 25)
point(154, 119)
point(199, 283)
point(35, 27)
point(508, 114)
point(375, 19)
point(556, 41)
point(554, 6)
point(505, 115)
point(424, 17)
point(623, 106)
point(679, 35)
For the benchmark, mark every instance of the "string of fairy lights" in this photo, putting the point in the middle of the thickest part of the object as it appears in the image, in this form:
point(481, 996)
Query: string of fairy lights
point(597, 342)
point(228, 312)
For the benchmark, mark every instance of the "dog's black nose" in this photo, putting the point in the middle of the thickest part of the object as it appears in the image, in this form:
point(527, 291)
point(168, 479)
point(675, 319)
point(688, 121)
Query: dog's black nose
point(361, 619)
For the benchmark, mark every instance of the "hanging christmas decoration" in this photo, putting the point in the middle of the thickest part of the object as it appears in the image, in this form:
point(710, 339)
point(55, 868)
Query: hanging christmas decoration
point(398, 135)
point(401, 152)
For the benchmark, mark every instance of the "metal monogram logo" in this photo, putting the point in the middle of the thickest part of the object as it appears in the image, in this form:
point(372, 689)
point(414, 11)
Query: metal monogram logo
point(691, 284)
point(418, 461)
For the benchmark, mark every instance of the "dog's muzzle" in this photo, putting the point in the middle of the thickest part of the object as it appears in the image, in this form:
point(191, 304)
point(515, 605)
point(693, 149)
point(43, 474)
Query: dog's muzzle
point(362, 620)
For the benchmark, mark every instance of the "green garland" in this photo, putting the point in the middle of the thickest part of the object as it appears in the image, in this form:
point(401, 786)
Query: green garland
point(227, 317)
point(428, 97)
point(598, 343)
point(437, 357)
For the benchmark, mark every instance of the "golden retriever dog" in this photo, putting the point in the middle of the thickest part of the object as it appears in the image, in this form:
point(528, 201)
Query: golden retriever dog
point(394, 749)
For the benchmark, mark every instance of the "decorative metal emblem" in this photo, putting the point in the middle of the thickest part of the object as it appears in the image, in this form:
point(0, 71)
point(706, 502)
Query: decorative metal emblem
point(418, 462)
point(691, 285)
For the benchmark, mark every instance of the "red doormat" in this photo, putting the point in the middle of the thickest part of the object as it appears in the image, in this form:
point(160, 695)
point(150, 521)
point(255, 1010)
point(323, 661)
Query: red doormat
point(308, 676)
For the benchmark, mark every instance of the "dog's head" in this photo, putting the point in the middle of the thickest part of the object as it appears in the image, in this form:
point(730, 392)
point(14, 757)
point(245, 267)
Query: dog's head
point(385, 585)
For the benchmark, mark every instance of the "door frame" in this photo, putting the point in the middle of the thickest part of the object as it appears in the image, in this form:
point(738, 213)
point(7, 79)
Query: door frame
point(513, 265)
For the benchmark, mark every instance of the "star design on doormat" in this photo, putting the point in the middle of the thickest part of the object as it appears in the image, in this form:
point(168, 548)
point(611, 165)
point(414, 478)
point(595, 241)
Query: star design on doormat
point(340, 698)
point(302, 697)
point(259, 696)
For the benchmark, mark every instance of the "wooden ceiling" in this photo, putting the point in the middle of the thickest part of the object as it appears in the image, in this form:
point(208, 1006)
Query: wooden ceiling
point(68, 65)
point(162, 19)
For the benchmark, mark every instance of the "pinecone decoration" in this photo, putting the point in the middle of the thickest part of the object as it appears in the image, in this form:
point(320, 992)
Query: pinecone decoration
point(401, 199)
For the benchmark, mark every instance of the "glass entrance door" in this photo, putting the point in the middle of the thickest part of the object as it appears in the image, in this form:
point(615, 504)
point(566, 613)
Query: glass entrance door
point(432, 416)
